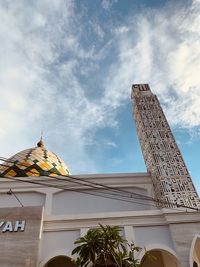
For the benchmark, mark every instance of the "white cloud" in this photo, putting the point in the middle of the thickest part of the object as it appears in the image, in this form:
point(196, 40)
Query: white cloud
point(161, 47)
point(37, 90)
point(112, 144)
point(98, 30)
point(42, 58)
point(106, 4)
point(121, 29)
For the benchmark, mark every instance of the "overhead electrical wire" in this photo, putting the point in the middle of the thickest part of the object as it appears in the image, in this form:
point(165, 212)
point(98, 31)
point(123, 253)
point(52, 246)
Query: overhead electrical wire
point(80, 181)
point(10, 192)
point(75, 190)
point(75, 179)
point(88, 183)
point(72, 177)
point(100, 194)
point(94, 185)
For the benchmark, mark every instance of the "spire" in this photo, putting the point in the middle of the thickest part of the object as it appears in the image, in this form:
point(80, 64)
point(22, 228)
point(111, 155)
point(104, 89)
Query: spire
point(41, 143)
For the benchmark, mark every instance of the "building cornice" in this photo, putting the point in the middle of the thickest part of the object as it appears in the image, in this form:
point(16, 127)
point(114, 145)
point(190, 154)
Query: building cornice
point(134, 218)
point(114, 180)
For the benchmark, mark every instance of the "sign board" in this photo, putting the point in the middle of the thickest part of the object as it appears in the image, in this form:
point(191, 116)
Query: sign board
point(20, 230)
point(10, 226)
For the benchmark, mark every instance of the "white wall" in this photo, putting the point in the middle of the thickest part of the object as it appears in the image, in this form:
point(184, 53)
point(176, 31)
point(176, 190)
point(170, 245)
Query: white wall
point(57, 243)
point(26, 198)
point(67, 202)
point(153, 235)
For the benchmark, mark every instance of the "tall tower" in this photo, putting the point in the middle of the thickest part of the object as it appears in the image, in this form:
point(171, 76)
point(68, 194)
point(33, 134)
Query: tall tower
point(172, 183)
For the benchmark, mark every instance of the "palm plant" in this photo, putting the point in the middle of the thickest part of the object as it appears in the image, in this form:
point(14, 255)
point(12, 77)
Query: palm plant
point(113, 246)
point(104, 246)
point(88, 248)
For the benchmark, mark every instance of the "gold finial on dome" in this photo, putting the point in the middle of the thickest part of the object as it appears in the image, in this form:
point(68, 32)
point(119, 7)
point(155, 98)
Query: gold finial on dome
point(41, 143)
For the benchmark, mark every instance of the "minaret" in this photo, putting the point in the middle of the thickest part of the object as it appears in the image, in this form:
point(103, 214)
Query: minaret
point(172, 183)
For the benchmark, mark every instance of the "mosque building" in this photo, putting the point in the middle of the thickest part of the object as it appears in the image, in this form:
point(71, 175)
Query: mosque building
point(44, 208)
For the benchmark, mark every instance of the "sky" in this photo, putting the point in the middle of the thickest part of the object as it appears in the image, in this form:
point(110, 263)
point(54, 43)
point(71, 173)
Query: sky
point(66, 69)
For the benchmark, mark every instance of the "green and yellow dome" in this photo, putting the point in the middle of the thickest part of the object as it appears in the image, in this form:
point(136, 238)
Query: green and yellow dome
point(37, 161)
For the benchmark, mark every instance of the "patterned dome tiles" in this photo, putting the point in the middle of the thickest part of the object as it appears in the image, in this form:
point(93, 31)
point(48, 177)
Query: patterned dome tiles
point(34, 162)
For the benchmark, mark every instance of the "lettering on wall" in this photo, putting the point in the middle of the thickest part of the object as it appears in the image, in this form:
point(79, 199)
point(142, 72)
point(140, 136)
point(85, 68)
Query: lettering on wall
point(12, 226)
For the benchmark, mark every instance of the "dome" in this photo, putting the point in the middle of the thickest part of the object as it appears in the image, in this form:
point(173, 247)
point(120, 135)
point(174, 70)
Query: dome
point(37, 161)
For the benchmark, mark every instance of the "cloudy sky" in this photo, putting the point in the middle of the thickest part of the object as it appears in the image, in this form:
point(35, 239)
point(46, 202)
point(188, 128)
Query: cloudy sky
point(66, 67)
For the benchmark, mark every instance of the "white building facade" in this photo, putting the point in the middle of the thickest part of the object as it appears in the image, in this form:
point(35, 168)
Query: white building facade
point(44, 209)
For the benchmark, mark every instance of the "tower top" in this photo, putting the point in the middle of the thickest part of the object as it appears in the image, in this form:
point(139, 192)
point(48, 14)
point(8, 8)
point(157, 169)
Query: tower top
point(138, 88)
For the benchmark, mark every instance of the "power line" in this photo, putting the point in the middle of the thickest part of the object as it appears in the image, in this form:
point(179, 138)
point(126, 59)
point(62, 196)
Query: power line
point(98, 186)
point(75, 179)
point(83, 192)
point(10, 192)
point(78, 190)
point(101, 194)
point(151, 199)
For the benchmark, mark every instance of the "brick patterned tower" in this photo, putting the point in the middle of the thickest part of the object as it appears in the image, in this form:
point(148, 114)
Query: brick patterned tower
point(172, 183)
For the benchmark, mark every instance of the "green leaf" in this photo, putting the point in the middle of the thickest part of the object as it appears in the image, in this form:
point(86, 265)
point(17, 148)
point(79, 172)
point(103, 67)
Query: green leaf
point(105, 246)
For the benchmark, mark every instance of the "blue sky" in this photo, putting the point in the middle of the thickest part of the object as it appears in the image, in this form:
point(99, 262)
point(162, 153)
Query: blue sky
point(67, 67)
